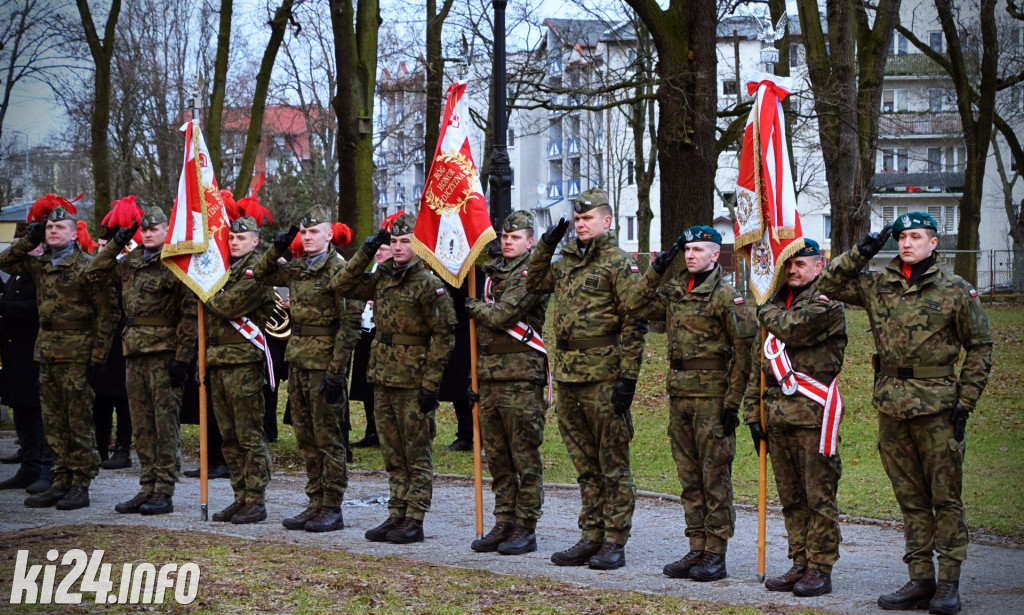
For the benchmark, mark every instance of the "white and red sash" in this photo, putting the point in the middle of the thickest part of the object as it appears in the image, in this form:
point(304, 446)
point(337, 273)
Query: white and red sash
point(522, 332)
point(827, 396)
point(251, 332)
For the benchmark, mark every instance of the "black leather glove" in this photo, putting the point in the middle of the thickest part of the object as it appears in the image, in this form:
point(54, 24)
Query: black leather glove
point(758, 435)
point(93, 374)
point(179, 371)
point(958, 419)
point(123, 236)
point(871, 243)
point(283, 240)
point(372, 244)
point(469, 301)
point(622, 395)
point(730, 420)
point(35, 233)
point(661, 262)
point(472, 395)
point(555, 232)
point(428, 401)
point(332, 387)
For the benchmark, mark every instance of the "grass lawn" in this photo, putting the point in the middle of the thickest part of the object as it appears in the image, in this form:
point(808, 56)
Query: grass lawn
point(993, 492)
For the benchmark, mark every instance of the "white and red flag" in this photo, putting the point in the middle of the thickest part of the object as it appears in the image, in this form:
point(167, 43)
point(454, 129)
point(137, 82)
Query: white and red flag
point(196, 248)
point(453, 225)
point(767, 222)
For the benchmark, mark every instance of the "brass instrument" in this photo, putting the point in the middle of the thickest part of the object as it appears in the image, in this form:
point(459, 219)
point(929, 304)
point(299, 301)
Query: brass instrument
point(279, 324)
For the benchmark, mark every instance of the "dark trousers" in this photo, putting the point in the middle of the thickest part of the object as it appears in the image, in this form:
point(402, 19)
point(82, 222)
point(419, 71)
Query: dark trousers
point(464, 417)
point(103, 411)
point(35, 451)
point(270, 413)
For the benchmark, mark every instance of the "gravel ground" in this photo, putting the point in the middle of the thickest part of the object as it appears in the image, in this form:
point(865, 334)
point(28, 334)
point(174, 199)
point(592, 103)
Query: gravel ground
point(869, 564)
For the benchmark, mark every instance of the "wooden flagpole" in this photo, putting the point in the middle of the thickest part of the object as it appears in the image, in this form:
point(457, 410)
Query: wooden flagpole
point(478, 481)
point(762, 480)
point(203, 424)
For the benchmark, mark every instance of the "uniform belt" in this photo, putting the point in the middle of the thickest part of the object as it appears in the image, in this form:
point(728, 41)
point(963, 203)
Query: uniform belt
point(504, 348)
point(909, 372)
point(149, 321)
point(402, 340)
point(686, 364)
point(590, 342)
point(314, 331)
point(228, 338)
point(64, 325)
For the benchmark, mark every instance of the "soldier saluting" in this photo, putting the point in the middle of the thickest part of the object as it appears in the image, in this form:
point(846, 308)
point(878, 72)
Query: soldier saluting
point(921, 317)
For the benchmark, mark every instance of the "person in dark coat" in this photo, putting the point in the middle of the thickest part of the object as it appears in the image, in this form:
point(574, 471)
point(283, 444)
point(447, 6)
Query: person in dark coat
point(455, 381)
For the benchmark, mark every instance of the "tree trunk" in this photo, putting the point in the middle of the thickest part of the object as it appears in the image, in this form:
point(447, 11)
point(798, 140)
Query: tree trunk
point(220, 78)
point(435, 77)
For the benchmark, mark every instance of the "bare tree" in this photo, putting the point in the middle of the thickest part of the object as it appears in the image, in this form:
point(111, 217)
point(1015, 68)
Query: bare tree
point(220, 76)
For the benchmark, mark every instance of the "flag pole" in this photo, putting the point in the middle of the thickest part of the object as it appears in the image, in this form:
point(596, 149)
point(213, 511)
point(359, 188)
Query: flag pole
point(204, 473)
point(478, 482)
point(762, 481)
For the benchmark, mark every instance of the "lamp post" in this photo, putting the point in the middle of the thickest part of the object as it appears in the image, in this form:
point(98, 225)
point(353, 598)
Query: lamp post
point(500, 177)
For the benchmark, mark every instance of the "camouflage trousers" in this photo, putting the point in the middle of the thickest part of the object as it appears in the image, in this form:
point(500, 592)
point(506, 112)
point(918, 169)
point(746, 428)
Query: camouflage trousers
point(512, 430)
point(319, 437)
point(405, 437)
point(236, 395)
point(807, 483)
point(66, 402)
point(925, 465)
point(703, 456)
point(154, 406)
point(598, 443)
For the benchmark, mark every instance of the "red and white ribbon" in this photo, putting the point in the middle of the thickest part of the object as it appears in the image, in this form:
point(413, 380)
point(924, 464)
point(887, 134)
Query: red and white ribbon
point(251, 332)
point(522, 332)
point(827, 396)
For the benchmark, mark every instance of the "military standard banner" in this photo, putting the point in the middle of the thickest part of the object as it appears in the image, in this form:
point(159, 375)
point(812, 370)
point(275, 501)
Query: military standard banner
point(196, 248)
point(453, 225)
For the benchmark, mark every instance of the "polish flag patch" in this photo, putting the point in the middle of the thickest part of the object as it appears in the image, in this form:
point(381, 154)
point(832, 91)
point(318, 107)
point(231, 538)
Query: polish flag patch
point(524, 272)
point(248, 272)
point(974, 293)
point(439, 292)
point(823, 298)
point(634, 269)
point(738, 300)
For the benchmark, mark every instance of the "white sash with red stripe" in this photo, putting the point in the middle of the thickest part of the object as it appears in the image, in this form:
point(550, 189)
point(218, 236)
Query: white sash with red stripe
point(522, 332)
point(251, 332)
point(827, 396)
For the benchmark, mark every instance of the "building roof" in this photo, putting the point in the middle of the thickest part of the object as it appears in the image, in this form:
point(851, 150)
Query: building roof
point(572, 32)
point(277, 120)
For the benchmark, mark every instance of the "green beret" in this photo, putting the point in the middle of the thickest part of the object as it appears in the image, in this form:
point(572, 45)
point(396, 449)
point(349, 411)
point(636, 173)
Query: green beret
point(245, 224)
point(403, 225)
point(811, 248)
point(316, 215)
point(595, 197)
point(153, 217)
point(517, 220)
point(699, 233)
point(915, 219)
point(59, 213)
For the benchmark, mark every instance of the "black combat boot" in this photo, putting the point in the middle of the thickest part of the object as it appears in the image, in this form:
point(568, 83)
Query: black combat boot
point(813, 583)
point(328, 519)
point(786, 582)
point(252, 513)
point(408, 531)
point(77, 497)
point(380, 533)
point(17, 481)
point(609, 557)
point(120, 459)
point(43, 483)
point(46, 499)
point(158, 504)
point(132, 506)
point(576, 555)
point(498, 534)
point(522, 540)
point(916, 594)
point(680, 569)
point(711, 567)
point(229, 512)
point(298, 522)
point(946, 600)
point(370, 440)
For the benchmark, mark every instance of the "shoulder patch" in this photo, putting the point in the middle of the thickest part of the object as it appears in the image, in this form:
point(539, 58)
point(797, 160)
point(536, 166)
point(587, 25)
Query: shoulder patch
point(823, 298)
point(634, 269)
point(737, 300)
point(248, 272)
point(439, 292)
point(525, 272)
point(973, 292)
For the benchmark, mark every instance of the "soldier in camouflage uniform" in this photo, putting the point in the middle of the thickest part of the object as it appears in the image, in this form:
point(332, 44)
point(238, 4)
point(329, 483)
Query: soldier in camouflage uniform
point(325, 328)
point(415, 334)
point(596, 354)
point(512, 404)
point(159, 342)
point(921, 317)
point(813, 328)
point(236, 370)
point(76, 320)
point(709, 332)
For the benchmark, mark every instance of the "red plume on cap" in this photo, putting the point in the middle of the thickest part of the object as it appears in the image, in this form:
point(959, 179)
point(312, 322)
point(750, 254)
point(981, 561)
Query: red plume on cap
point(83, 238)
point(296, 246)
point(230, 205)
point(250, 205)
point(386, 224)
point(342, 234)
point(123, 213)
point(47, 203)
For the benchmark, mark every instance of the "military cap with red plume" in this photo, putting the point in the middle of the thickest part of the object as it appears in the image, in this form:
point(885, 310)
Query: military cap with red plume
point(342, 235)
point(229, 204)
point(41, 209)
point(296, 246)
point(250, 205)
point(123, 213)
point(83, 238)
point(386, 224)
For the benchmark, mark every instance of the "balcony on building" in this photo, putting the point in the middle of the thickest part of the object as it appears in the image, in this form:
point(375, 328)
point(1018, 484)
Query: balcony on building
point(554, 148)
point(572, 146)
point(919, 183)
point(919, 124)
point(911, 65)
point(572, 187)
point(555, 190)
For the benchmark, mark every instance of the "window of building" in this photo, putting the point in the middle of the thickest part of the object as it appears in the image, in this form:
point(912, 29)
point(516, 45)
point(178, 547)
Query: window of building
point(956, 159)
point(630, 228)
point(729, 200)
point(899, 45)
point(828, 226)
point(939, 100)
point(511, 138)
point(934, 160)
point(935, 41)
point(948, 216)
point(895, 160)
point(894, 100)
point(729, 87)
point(629, 172)
point(796, 55)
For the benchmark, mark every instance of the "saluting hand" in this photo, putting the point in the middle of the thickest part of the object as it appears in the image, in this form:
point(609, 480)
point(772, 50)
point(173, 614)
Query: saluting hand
point(123, 236)
point(663, 260)
point(283, 240)
point(372, 244)
point(35, 233)
point(871, 243)
point(555, 232)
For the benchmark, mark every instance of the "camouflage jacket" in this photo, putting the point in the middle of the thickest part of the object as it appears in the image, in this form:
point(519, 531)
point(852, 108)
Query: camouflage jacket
point(240, 296)
point(76, 318)
point(407, 301)
point(921, 325)
point(159, 310)
point(512, 304)
point(590, 290)
point(813, 328)
point(710, 322)
point(314, 304)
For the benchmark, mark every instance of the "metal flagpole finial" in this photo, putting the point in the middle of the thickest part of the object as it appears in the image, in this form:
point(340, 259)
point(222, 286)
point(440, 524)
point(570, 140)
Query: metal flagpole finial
point(195, 91)
point(769, 35)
